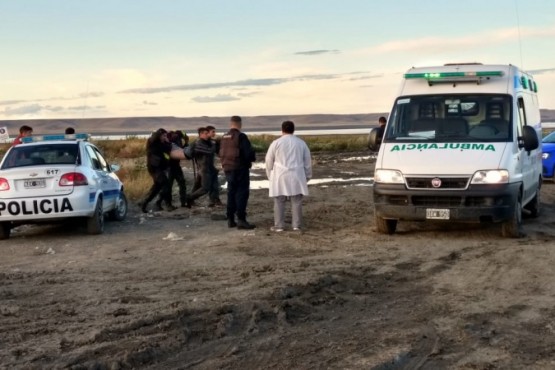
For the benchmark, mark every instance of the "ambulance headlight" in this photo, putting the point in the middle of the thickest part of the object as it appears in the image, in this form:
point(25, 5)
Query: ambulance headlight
point(545, 155)
point(491, 177)
point(389, 177)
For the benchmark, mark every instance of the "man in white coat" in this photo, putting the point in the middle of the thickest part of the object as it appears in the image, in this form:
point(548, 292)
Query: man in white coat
point(288, 167)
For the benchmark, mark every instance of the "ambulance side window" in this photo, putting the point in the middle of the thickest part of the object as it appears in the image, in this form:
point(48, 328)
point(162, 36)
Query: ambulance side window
point(521, 116)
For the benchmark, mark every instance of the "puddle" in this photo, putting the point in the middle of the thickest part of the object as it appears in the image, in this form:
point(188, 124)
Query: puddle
point(359, 159)
point(366, 181)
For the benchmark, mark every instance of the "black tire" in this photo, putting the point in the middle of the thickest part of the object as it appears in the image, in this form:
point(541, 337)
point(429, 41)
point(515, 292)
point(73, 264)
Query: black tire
point(5, 230)
point(534, 206)
point(120, 212)
point(95, 223)
point(513, 228)
point(385, 226)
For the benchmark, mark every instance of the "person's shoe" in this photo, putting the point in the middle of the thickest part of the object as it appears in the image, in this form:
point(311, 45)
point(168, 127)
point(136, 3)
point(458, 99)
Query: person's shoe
point(231, 224)
point(211, 205)
point(158, 206)
point(276, 229)
point(142, 205)
point(170, 207)
point(297, 229)
point(244, 225)
point(218, 202)
point(189, 203)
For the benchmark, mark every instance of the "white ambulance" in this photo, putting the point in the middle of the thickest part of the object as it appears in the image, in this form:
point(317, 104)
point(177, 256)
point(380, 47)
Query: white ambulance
point(461, 145)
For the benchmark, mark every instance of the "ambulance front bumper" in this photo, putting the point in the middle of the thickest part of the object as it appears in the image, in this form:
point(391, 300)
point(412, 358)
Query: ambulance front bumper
point(478, 203)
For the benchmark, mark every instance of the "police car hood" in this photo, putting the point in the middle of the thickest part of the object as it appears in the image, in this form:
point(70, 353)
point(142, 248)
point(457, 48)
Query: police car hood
point(441, 158)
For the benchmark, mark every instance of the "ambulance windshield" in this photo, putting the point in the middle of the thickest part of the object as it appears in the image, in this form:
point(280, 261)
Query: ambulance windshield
point(451, 118)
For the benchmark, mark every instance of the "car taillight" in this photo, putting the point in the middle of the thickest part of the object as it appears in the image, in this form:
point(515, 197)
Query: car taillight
point(4, 184)
point(73, 179)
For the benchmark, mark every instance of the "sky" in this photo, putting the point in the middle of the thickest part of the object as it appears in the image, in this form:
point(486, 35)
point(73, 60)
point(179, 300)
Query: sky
point(122, 58)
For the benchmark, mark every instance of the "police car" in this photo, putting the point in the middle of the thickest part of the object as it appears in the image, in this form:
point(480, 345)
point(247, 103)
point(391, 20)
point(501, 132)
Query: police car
point(55, 177)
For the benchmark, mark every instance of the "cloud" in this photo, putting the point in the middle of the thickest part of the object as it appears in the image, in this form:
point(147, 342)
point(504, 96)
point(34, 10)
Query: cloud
point(317, 52)
point(235, 84)
point(92, 94)
point(146, 102)
point(31, 109)
point(248, 94)
point(365, 77)
point(11, 102)
point(541, 71)
point(215, 99)
point(442, 44)
point(85, 107)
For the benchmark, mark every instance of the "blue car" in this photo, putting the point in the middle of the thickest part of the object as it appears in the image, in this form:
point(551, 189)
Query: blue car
point(548, 155)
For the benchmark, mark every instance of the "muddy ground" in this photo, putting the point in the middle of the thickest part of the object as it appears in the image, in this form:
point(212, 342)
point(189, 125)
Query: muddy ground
point(339, 295)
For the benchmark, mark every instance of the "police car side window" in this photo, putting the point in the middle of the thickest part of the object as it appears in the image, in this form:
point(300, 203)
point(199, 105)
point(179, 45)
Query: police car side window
point(103, 162)
point(95, 163)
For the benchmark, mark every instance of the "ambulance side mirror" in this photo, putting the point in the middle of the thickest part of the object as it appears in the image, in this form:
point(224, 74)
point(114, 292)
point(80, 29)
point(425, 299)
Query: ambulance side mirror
point(529, 139)
point(374, 140)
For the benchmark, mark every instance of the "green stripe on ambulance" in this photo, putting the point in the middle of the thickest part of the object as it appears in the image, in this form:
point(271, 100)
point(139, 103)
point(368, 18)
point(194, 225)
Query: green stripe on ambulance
point(436, 146)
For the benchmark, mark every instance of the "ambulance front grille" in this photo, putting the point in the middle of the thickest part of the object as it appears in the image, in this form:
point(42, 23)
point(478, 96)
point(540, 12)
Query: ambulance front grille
point(449, 183)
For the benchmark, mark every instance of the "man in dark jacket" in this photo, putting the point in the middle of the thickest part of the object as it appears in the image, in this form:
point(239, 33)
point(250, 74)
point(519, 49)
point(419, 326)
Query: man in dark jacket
point(203, 156)
point(237, 155)
point(175, 173)
point(157, 162)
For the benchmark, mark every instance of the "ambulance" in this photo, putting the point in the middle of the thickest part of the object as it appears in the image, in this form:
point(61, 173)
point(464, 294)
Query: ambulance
point(461, 145)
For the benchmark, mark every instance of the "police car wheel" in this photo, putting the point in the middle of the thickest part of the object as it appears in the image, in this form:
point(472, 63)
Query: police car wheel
point(120, 212)
point(5, 230)
point(512, 228)
point(95, 223)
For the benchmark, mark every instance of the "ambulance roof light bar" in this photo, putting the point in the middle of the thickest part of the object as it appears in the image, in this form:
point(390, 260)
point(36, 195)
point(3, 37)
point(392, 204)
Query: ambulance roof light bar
point(439, 77)
point(54, 137)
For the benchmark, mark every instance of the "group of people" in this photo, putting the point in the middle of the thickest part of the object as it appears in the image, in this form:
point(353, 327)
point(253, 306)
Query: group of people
point(25, 131)
point(288, 167)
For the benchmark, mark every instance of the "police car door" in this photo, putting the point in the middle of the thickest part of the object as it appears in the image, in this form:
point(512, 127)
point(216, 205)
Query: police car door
point(102, 179)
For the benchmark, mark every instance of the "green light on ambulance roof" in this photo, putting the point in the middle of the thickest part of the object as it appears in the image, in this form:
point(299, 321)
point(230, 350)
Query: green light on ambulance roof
point(440, 75)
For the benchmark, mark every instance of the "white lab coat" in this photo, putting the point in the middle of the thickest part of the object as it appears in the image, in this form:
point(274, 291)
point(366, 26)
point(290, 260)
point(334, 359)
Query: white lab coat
point(288, 166)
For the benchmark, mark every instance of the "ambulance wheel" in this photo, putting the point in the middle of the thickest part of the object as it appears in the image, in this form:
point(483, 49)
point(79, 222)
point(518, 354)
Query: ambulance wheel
point(512, 228)
point(385, 226)
point(120, 212)
point(5, 230)
point(534, 206)
point(95, 223)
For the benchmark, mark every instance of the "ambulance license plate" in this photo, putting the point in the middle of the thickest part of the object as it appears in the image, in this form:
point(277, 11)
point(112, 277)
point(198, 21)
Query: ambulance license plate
point(35, 183)
point(437, 214)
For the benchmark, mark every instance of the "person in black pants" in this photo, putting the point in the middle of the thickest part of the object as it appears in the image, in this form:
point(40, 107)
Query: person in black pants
point(203, 156)
point(237, 155)
point(180, 140)
point(157, 156)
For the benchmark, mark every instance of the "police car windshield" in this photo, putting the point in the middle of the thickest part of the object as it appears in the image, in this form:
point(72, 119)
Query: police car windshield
point(451, 118)
point(24, 155)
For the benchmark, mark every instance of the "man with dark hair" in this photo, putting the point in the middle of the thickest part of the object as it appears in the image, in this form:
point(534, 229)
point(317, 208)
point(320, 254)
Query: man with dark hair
point(24, 131)
point(70, 131)
point(178, 140)
point(202, 152)
point(381, 129)
point(288, 167)
point(237, 155)
point(157, 161)
point(215, 188)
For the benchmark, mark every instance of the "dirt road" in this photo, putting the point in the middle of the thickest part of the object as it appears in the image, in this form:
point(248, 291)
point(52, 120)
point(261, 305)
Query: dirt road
point(337, 296)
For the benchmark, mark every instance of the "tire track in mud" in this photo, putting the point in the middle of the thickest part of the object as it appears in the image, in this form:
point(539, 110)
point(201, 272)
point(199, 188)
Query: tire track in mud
point(296, 324)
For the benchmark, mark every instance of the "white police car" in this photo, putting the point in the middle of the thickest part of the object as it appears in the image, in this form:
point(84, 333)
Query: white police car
point(54, 177)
